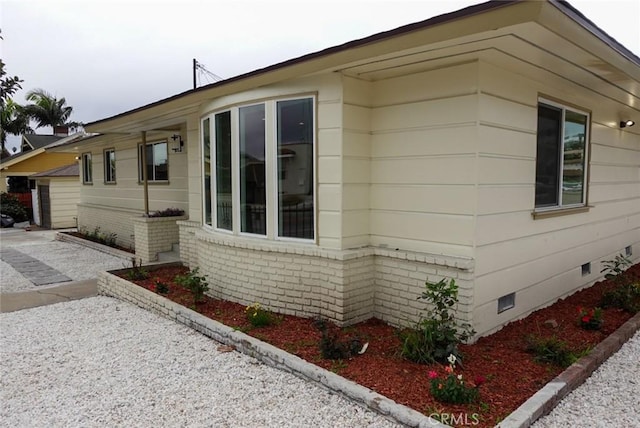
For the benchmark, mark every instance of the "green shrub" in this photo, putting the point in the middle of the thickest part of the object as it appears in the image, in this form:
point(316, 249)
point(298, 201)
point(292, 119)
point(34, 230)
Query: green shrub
point(454, 388)
point(137, 271)
point(167, 212)
point(258, 316)
point(11, 206)
point(626, 294)
point(332, 346)
point(551, 350)
point(195, 283)
point(438, 334)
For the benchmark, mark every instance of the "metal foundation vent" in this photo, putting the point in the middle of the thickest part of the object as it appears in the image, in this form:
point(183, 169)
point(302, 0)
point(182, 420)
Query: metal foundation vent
point(506, 302)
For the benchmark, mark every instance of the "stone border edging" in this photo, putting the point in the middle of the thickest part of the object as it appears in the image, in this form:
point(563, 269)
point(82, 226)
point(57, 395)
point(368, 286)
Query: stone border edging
point(543, 401)
point(65, 237)
point(114, 286)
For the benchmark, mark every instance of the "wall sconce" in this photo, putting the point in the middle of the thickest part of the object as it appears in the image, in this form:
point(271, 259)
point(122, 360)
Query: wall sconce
point(180, 144)
point(77, 157)
point(626, 123)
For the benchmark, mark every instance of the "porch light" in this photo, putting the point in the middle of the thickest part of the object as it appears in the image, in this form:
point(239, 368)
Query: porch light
point(180, 143)
point(627, 123)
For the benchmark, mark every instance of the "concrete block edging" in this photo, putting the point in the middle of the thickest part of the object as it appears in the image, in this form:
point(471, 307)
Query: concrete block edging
point(543, 401)
point(114, 286)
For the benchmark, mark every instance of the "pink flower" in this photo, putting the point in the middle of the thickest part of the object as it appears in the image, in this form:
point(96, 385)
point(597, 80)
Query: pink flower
point(432, 374)
point(586, 319)
point(448, 369)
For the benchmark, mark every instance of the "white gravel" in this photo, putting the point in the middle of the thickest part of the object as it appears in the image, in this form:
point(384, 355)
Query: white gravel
point(609, 398)
point(75, 261)
point(101, 362)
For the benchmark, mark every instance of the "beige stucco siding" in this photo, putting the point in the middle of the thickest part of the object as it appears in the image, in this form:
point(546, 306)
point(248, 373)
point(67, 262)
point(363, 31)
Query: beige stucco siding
point(64, 194)
point(423, 161)
point(541, 259)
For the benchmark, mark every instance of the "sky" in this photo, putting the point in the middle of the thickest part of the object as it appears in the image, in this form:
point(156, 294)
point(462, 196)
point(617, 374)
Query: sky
point(107, 57)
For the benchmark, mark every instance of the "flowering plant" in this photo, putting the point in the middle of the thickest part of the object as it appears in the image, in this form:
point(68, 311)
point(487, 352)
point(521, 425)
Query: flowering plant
point(453, 388)
point(161, 287)
point(590, 319)
point(257, 315)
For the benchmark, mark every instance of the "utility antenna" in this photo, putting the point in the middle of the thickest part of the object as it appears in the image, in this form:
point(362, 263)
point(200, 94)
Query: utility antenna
point(199, 67)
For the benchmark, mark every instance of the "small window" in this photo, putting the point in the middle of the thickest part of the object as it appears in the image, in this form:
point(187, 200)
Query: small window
point(87, 173)
point(157, 162)
point(110, 166)
point(506, 302)
point(561, 157)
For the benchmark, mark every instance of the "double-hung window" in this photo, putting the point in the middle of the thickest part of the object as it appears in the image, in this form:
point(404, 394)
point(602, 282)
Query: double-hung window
point(263, 169)
point(561, 157)
point(110, 166)
point(157, 161)
point(87, 173)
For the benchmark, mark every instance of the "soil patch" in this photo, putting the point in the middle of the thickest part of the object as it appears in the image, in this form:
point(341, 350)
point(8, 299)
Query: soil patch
point(512, 375)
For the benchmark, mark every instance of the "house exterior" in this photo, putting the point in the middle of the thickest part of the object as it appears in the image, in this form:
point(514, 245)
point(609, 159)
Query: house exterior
point(58, 194)
point(33, 158)
point(484, 145)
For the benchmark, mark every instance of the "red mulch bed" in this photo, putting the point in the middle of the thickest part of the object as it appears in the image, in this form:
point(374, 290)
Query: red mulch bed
point(512, 374)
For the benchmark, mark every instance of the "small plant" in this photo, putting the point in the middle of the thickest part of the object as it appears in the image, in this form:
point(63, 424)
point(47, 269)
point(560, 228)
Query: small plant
point(453, 388)
point(551, 350)
point(626, 294)
point(168, 212)
point(331, 345)
point(614, 269)
point(590, 319)
point(438, 334)
point(161, 287)
point(137, 271)
point(258, 316)
point(195, 283)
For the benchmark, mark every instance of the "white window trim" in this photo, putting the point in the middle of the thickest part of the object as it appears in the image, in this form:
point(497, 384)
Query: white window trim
point(106, 165)
point(587, 145)
point(84, 170)
point(271, 171)
point(140, 173)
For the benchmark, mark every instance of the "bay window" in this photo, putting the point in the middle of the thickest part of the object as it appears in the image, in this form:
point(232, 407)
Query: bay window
point(264, 169)
point(561, 156)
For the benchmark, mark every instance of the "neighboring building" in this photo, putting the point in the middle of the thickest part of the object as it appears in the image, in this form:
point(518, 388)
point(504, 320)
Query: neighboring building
point(484, 145)
point(35, 156)
point(58, 194)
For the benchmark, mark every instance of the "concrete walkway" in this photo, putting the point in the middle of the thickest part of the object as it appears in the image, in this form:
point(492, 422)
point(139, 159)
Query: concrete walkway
point(33, 269)
point(10, 302)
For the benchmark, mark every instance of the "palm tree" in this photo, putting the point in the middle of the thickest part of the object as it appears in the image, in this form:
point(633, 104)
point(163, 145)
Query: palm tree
point(47, 110)
point(13, 120)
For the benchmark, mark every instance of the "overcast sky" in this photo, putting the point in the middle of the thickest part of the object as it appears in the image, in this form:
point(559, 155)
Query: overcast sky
point(107, 57)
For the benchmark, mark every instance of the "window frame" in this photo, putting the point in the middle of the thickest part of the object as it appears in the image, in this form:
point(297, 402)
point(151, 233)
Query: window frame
point(87, 173)
point(271, 169)
point(109, 170)
point(561, 208)
point(140, 166)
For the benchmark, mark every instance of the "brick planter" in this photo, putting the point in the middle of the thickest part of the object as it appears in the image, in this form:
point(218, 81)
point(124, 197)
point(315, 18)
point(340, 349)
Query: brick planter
point(155, 235)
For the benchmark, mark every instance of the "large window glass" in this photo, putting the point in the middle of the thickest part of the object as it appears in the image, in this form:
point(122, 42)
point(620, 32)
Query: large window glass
point(156, 162)
point(561, 156)
point(253, 199)
point(264, 169)
point(295, 168)
point(206, 152)
point(224, 194)
point(110, 166)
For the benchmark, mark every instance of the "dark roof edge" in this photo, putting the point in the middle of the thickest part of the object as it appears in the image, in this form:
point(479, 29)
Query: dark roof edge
point(451, 16)
point(566, 8)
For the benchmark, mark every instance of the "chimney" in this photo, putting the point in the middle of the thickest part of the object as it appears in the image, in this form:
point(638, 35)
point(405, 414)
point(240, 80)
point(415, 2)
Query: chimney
point(61, 130)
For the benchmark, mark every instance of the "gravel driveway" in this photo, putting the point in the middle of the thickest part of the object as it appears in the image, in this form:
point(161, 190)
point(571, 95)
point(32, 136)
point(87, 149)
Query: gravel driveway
point(101, 362)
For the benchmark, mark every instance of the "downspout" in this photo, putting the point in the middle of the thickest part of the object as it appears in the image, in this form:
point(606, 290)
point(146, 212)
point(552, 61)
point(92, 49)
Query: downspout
point(145, 181)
